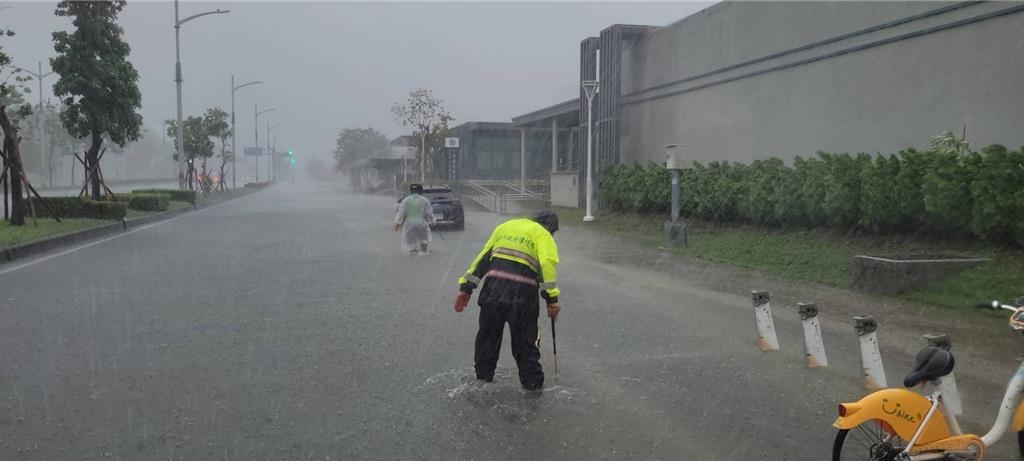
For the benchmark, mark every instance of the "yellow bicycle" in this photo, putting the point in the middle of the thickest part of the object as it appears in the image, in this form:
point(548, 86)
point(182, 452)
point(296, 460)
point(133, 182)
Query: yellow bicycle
point(902, 425)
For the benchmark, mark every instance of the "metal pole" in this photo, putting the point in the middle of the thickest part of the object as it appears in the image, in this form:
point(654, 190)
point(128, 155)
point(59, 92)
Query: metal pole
point(42, 129)
point(177, 79)
point(675, 195)
point(423, 156)
point(234, 151)
point(522, 160)
point(554, 145)
point(256, 131)
point(270, 163)
point(590, 159)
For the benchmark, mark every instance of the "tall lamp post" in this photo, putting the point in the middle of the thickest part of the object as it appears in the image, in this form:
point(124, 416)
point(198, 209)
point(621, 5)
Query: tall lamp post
point(234, 150)
point(256, 130)
point(177, 81)
point(273, 155)
point(39, 76)
point(590, 87)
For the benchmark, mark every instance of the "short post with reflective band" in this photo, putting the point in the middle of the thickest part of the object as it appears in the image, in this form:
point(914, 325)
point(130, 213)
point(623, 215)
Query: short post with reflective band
point(813, 343)
point(870, 356)
point(766, 338)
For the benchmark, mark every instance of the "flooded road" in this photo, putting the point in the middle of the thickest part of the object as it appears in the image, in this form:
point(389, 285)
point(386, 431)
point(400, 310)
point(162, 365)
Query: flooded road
point(288, 325)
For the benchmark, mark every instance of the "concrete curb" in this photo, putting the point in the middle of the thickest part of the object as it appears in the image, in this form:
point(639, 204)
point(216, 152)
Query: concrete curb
point(42, 246)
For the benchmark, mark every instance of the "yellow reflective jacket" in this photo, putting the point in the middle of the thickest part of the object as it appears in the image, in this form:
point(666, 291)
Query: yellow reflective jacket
point(519, 251)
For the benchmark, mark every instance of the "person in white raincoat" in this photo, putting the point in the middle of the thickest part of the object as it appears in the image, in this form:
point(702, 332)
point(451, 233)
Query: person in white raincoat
point(414, 217)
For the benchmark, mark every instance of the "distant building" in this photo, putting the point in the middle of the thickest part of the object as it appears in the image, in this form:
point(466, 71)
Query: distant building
point(740, 81)
point(493, 150)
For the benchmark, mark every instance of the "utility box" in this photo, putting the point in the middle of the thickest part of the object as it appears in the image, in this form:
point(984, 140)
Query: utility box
point(672, 160)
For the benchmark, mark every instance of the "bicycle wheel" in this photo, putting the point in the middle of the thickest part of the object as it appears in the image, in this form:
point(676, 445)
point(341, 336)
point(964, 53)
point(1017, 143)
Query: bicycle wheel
point(871, 441)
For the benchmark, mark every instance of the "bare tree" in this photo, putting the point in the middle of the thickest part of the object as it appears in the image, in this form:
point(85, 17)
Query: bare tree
point(426, 115)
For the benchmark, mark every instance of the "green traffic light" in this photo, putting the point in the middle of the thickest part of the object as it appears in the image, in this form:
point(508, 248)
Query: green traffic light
point(290, 152)
point(292, 161)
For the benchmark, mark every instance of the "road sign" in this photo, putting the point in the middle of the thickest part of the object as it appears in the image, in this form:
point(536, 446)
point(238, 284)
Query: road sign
point(253, 151)
point(451, 143)
point(453, 163)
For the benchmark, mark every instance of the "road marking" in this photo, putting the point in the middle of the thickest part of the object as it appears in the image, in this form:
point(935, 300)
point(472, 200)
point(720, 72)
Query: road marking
point(106, 239)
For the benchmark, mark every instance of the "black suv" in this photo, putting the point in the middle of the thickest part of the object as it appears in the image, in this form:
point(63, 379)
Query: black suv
point(447, 207)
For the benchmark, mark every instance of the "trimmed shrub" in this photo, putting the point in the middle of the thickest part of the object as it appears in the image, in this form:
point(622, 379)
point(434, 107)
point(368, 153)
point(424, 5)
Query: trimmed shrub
point(75, 207)
point(149, 202)
point(177, 195)
point(938, 192)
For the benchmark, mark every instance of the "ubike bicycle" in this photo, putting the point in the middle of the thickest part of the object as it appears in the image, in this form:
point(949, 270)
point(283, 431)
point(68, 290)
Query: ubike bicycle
point(903, 425)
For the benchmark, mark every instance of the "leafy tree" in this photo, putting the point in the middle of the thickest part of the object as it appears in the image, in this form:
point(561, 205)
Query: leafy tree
point(58, 143)
point(218, 126)
point(198, 145)
point(11, 88)
point(97, 85)
point(354, 144)
point(426, 115)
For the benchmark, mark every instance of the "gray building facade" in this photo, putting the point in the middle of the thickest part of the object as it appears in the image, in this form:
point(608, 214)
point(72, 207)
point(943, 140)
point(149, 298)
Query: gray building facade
point(746, 80)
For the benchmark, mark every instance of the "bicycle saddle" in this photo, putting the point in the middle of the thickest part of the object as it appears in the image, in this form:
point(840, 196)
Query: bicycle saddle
point(931, 363)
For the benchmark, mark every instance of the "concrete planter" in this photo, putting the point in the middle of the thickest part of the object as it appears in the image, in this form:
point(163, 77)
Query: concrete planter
point(897, 274)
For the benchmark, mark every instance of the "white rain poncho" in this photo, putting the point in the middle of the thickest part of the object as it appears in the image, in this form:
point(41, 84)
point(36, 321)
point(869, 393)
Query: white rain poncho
point(415, 214)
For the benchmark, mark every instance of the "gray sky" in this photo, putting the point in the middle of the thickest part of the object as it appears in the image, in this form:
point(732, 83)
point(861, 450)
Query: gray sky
point(333, 65)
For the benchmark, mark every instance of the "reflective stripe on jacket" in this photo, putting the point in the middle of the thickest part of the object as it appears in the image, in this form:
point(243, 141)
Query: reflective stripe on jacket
point(524, 248)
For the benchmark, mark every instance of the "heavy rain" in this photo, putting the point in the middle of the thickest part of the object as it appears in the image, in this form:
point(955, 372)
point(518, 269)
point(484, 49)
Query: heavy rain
point(511, 230)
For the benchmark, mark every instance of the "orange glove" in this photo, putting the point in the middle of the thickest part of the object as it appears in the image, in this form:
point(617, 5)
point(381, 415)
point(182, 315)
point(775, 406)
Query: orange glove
point(553, 310)
point(461, 301)
point(398, 227)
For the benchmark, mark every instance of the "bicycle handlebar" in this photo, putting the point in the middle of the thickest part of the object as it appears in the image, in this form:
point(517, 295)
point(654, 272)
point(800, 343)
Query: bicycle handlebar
point(995, 305)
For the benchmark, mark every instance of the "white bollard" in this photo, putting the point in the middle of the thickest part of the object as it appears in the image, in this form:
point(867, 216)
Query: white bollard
point(813, 343)
point(870, 356)
point(947, 385)
point(766, 338)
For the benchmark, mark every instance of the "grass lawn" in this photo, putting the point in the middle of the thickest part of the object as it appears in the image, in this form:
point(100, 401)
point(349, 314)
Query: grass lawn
point(825, 256)
point(16, 235)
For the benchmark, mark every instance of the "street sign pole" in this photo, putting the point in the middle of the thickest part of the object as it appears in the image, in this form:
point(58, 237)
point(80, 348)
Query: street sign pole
point(452, 146)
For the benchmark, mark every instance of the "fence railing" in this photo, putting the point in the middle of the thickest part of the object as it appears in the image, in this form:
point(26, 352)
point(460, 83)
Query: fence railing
point(496, 195)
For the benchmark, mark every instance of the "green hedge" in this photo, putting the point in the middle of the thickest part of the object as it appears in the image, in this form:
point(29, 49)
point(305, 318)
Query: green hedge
point(936, 192)
point(149, 202)
point(75, 207)
point(178, 195)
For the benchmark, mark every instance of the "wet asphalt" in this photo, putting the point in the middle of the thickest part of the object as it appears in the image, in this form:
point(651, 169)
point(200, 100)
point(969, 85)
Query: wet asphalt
point(289, 325)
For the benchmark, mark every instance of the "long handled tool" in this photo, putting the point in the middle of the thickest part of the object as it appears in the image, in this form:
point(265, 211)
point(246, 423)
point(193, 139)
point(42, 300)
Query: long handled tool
point(554, 349)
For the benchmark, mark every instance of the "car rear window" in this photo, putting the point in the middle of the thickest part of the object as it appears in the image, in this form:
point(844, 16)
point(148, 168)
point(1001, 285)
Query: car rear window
point(434, 195)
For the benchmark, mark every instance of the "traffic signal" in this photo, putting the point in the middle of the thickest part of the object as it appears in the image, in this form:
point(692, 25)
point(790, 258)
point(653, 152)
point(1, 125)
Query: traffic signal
point(292, 161)
point(290, 153)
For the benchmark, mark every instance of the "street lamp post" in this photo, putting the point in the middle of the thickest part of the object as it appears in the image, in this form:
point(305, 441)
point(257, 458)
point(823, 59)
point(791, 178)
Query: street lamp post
point(590, 87)
point(177, 81)
point(39, 76)
point(234, 150)
point(256, 130)
point(273, 153)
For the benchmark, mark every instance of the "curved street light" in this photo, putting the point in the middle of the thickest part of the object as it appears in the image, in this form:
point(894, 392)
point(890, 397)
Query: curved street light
point(273, 154)
point(256, 132)
point(177, 80)
point(39, 76)
point(234, 150)
point(590, 88)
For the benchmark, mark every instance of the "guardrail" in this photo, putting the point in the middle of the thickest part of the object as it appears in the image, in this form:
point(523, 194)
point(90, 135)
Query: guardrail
point(497, 194)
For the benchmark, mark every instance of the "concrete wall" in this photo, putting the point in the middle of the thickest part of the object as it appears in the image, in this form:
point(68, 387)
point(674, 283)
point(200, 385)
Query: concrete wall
point(565, 189)
point(851, 94)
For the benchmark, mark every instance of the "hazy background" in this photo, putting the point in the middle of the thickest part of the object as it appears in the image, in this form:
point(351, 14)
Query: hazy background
point(331, 65)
